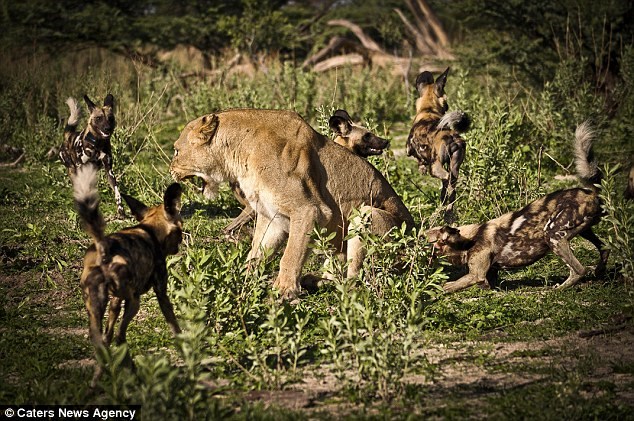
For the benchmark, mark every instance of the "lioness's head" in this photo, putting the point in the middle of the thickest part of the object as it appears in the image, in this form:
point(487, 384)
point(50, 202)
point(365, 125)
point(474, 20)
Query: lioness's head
point(432, 98)
point(194, 157)
point(356, 138)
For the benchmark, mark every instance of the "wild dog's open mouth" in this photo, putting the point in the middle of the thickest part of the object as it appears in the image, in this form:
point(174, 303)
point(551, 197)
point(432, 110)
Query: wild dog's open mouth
point(104, 134)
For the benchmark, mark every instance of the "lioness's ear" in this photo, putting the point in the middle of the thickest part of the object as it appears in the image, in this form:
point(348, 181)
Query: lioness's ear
point(109, 101)
point(89, 103)
point(209, 124)
point(340, 123)
point(137, 207)
point(208, 127)
point(439, 87)
point(172, 199)
point(422, 80)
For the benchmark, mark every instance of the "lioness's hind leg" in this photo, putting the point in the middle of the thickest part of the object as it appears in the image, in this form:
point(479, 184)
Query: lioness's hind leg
point(268, 234)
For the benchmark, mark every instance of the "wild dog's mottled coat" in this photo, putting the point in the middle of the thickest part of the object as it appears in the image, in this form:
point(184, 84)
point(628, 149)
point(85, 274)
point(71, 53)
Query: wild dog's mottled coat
point(92, 145)
point(126, 264)
point(434, 139)
point(519, 238)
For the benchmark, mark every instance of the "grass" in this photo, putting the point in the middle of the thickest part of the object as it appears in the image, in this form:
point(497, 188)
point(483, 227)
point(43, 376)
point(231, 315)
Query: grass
point(385, 346)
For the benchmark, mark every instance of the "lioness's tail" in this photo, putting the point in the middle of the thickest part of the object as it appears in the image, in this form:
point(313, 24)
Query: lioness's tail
point(73, 119)
point(87, 203)
point(586, 165)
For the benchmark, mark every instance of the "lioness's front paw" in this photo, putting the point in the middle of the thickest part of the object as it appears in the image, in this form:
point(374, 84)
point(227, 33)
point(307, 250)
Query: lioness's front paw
point(288, 288)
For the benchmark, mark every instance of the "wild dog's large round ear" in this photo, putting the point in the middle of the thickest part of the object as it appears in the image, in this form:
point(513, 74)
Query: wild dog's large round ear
point(340, 123)
point(109, 101)
point(137, 207)
point(422, 80)
point(439, 87)
point(172, 199)
point(89, 103)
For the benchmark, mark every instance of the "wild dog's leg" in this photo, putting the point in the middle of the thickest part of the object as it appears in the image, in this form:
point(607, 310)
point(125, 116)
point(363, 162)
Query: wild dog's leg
point(479, 265)
point(492, 278)
point(438, 171)
point(268, 234)
point(113, 315)
point(107, 166)
point(95, 295)
point(562, 249)
point(456, 158)
point(160, 289)
point(132, 306)
point(589, 235)
point(245, 216)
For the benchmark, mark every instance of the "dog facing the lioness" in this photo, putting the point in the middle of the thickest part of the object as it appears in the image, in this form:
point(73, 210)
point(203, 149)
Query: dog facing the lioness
point(293, 177)
point(434, 139)
point(355, 138)
point(122, 266)
point(91, 145)
point(519, 238)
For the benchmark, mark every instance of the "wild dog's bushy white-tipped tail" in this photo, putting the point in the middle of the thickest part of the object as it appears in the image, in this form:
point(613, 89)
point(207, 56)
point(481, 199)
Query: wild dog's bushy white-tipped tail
point(87, 203)
point(455, 120)
point(585, 164)
point(75, 112)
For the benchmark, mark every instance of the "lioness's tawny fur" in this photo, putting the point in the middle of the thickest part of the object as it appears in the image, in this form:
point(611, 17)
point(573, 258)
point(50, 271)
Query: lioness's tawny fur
point(355, 138)
point(292, 176)
point(519, 238)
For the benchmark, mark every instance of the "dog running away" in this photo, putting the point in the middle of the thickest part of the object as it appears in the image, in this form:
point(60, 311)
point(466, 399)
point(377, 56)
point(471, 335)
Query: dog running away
point(520, 238)
point(92, 145)
point(357, 139)
point(127, 263)
point(434, 139)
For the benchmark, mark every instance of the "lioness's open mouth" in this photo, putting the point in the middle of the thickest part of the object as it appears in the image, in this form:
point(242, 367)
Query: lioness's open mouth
point(202, 184)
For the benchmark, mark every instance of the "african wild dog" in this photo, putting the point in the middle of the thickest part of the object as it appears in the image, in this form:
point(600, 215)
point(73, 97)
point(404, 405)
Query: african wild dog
point(434, 139)
point(123, 265)
point(92, 145)
point(519, 238)
point(357, 139)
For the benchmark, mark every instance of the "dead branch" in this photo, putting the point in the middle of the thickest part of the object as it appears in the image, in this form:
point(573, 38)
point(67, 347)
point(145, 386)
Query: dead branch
point(366, 41)
point(335, 43)
point(338, 61)
point(14, 163)
point(419, 40)
point(434, 22)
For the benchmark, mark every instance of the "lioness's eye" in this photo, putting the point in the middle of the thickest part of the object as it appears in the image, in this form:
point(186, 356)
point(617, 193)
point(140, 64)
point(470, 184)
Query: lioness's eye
point(175, 152)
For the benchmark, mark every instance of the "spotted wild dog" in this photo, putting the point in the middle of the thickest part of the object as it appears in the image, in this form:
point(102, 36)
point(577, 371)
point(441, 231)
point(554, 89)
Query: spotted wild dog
point(92, 145)
point(355, 138)
point(124, 265)
point(434, 139)
point(294, 178)
point(520, 238)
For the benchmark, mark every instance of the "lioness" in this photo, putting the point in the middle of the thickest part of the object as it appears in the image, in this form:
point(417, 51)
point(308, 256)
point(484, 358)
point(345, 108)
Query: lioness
point(292, 176)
